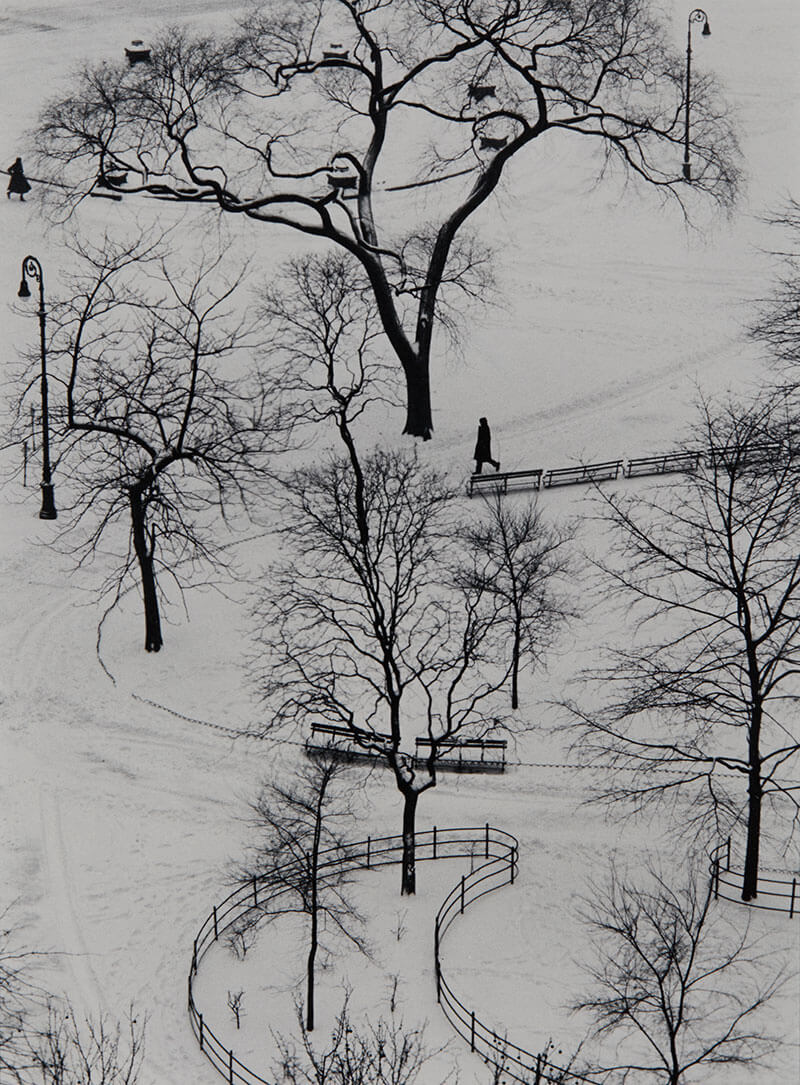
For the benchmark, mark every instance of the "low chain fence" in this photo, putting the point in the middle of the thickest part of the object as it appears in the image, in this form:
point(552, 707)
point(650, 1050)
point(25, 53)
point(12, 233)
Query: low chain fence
point(497, 853)
point(727, 880)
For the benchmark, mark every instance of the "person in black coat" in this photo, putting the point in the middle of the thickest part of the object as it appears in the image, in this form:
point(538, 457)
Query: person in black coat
point(18, 182)
point(483, 447)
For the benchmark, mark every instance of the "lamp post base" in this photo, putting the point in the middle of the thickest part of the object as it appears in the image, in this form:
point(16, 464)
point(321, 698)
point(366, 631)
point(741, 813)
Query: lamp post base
point(48, 509)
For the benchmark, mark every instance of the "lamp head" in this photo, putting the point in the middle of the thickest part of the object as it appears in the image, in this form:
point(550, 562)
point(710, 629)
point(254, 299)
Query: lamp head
point(24, 289)
point(706, 29)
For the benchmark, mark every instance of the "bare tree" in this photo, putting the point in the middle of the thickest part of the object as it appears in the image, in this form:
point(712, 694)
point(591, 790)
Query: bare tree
point(412, 115)
point(298, 857)
point(235, 1005)
point(382, 1052)
point(362, 627)
point(512, 554)
point(677, 991)
point(324, 332)
point(710, 566)
point(153, 432)
point(776, 324)
point(67, 1051)
point(19, 998)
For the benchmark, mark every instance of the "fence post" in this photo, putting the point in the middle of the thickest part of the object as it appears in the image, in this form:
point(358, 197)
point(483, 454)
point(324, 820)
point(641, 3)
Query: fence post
point(194, 958)
point(486, 850)
point(201, 1031)
point(716, 879)
point(462, 894)
point(230, 1067)
point(472, 1031)
point(791, 902)
point(216, 930)
point(369, 849)
point(434, 841)
point(24, 463)
point(728, 855)
point(255, 891)
point(513, 860)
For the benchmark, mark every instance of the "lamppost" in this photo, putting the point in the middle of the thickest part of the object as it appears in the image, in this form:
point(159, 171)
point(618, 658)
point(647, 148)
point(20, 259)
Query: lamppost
point(696, 16)
point(31, 267)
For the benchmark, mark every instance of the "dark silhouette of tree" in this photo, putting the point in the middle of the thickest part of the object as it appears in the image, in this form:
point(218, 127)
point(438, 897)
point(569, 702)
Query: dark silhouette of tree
point(513, 555)
point(302, 828)
point(153, 432)
point(678, 991)
point(710, 567)
point(411, 117)
point(43, 1041)
point(324, 334)
point(777, 322)
point(71, 1051)
point(370, 1052)
point(361, 627)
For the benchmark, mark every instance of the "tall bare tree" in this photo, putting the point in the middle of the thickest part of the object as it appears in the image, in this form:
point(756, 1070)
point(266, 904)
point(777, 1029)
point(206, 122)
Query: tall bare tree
point(301, 828)
point(710, 566)
point(515, 556)
point(677, 991)
point(153, 432)
point(342, 118)
point(361, 628)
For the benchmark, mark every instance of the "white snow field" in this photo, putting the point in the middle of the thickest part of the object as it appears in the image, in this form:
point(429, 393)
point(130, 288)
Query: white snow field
point(121, 807)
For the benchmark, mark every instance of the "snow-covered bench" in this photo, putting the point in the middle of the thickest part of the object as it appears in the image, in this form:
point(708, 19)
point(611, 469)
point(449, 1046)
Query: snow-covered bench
point(662, 465)
point(587, 472)
point(503, 480)
point(346, 742)
point(466, 754)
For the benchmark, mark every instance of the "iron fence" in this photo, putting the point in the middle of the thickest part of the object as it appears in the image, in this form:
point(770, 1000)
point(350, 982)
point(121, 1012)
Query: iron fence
point(497, 852)
point(774, 894)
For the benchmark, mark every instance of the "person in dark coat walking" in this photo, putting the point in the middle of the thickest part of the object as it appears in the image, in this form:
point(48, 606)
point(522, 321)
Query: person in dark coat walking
point(19, 182)
point(483, 447)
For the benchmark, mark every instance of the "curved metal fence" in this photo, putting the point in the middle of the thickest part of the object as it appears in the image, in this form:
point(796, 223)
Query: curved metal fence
point(497, 851)
point(774, 894)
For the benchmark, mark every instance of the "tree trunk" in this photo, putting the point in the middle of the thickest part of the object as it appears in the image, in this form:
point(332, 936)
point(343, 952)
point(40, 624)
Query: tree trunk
point(312, 953)
point(144, 554)
point(515, 654)
point(419, 419)
point(408, 886)
point(750, 879)
point(754, 792)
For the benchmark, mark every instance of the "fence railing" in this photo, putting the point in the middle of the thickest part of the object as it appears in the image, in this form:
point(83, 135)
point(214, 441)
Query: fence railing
point(497, 852)
point(774, 894)
point(498, 869)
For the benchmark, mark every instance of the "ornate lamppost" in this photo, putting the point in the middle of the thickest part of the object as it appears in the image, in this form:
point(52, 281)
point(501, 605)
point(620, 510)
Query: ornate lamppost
point(698, 15)
point(31, 267)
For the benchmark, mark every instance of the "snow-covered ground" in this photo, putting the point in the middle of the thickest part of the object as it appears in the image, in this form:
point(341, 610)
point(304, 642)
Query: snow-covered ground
point(119, 818)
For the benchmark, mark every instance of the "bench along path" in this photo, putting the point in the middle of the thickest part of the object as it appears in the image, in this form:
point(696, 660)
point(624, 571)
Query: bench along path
point(456, 755)
point(635, 467)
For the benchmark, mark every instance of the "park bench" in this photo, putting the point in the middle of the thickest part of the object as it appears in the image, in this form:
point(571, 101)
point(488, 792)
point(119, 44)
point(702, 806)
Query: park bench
point(344, 742)
point(342, 181)
point(479, 91)
point(765, 452)
point(466, 754)
point(137, 52)
point(493, 143)
point(588, 472)
point(501, 481)
point(662, 465)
